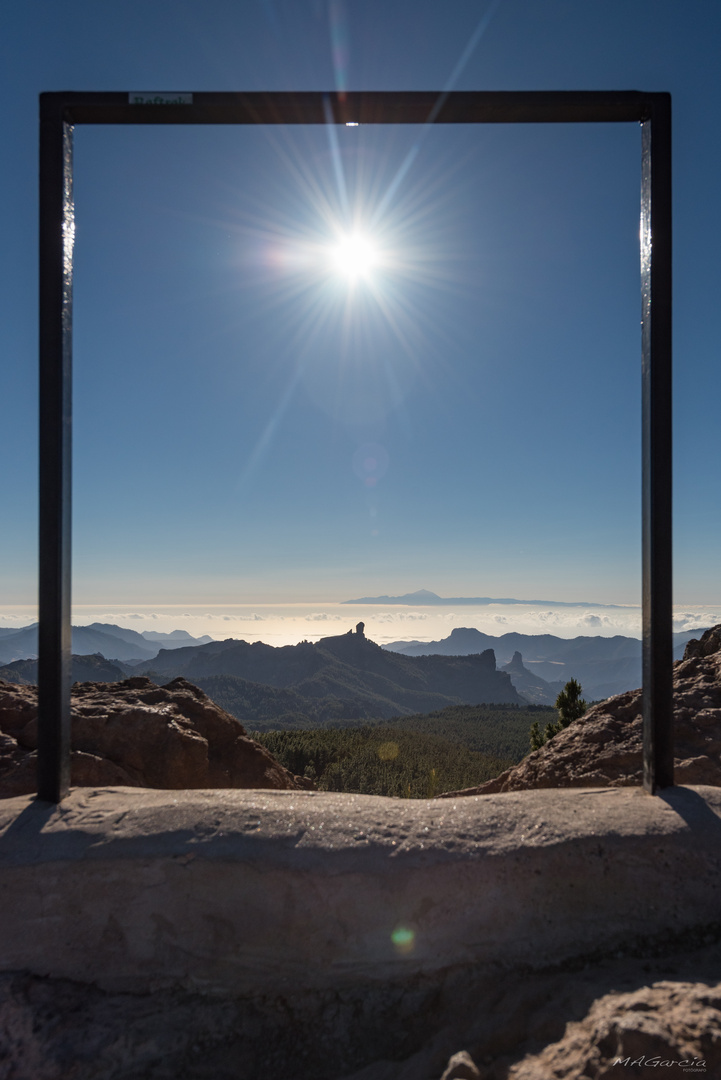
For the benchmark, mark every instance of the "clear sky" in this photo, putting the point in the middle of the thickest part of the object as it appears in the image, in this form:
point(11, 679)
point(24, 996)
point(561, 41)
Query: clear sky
point(252, 424)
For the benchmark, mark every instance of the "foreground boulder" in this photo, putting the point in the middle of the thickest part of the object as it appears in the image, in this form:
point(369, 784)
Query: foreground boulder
point(669, 1025)
point(605, 747)
point(138, 734)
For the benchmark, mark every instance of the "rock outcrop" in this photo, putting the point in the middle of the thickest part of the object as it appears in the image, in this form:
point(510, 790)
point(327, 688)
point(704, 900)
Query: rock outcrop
point(604, 747)
point(670, 1025)
point(138, 734)
point(531, 686)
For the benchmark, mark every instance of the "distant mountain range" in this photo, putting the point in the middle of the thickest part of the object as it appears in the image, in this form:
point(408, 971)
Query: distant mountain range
point(113, 642)
point(603, 665)
point(348, 677)
point(358, 674)
point(422, 597)
point(336, 679)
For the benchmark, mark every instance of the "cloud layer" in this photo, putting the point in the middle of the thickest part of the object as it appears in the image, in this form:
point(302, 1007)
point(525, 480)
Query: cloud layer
point(279, 624)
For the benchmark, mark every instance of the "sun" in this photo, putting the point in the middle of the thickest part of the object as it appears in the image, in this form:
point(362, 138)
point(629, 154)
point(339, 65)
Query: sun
point(354, 256)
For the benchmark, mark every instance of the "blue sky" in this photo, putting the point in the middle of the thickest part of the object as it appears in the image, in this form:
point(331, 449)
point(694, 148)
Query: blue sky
point(251, 427)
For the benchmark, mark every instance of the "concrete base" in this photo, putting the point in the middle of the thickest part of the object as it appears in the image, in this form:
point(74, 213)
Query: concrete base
point(231, 892)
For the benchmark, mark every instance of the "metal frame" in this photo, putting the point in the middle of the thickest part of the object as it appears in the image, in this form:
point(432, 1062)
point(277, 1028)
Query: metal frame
point(59, 112)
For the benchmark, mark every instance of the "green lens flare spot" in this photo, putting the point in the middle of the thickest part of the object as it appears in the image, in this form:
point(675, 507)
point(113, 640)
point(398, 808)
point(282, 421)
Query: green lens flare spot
point(387, 751)
point(403, 938)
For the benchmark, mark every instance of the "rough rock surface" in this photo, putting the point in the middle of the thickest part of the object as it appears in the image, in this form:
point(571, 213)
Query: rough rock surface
point(461, 1067)
point(137, 734)
point(516, 1027)
point(604, 747)
point(674, 1026)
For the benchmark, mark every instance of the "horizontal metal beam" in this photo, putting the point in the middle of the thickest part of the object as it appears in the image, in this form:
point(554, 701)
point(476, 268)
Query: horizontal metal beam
point(362, 107)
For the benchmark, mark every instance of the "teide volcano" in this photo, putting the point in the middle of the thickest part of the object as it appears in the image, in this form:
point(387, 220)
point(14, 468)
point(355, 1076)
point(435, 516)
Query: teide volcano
point(349, 667)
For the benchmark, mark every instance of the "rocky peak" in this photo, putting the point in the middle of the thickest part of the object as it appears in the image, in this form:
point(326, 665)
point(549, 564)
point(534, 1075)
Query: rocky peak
point(709, 644)
point(605, 746)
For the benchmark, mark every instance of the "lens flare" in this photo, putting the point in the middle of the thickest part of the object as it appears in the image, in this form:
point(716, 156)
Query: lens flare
point(370, 463)
point(403, 939)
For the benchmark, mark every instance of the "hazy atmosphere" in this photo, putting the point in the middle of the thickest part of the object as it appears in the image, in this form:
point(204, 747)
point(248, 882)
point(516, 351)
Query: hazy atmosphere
point(318, 364)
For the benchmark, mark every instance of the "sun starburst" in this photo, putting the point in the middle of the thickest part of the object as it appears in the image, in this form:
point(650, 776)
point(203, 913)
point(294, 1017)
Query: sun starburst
point(354, 256)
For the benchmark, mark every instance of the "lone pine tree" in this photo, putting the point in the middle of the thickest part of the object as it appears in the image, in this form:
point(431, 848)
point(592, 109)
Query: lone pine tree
point(570, 707)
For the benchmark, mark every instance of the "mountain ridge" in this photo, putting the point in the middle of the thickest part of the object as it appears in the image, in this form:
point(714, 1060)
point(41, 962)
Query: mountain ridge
point(424, 596)
point(348, 667)
point(111, 641)
point(604, 666)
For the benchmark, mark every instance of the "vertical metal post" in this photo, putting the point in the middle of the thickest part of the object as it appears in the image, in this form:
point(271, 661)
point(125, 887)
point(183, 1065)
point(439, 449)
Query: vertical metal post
point(656, 437)
point(57, 223)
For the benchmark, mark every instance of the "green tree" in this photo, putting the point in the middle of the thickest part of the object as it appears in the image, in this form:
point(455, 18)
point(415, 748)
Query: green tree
point(570, 704)
point(537, 736)
point(570, 707)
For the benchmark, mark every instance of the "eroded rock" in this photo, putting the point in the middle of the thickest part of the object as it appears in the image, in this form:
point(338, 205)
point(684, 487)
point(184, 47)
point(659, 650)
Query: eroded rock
point(461, 1067)
point(670, 1026)
point(138, 734)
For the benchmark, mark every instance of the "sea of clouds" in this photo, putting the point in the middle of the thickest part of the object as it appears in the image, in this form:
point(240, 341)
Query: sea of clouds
point(286, 624)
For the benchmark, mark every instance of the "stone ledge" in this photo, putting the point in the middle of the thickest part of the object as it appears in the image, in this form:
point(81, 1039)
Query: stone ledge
point(237, 891)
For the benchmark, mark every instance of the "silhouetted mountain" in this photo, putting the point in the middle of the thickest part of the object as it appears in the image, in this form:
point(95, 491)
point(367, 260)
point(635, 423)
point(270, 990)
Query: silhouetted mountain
point(84, 669)
point(150, 639)
point(175, 638)
point(20, 644)
point(423, 596)
point(142, 648)
point(269, 708)
point(530, 685)
point(603, 665)
point(360, 674)
point(420, 596)
point(86, 640)
point(112, 642)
